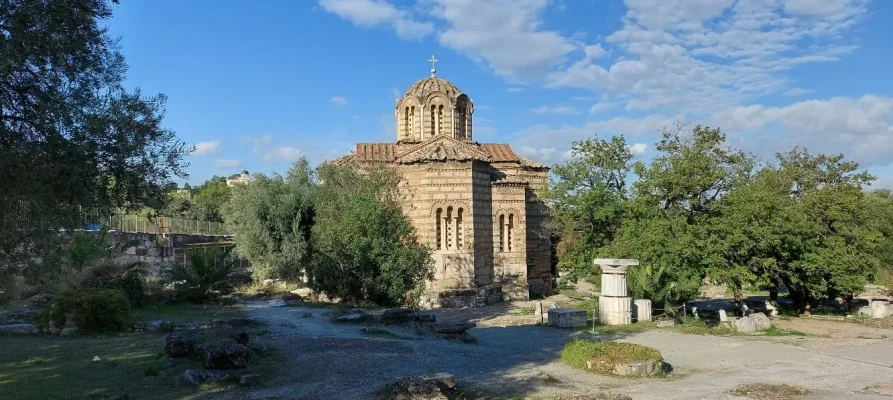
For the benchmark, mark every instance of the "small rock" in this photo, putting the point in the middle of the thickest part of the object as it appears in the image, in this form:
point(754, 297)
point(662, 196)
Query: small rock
point(96, 359)
point(423, 317)
point(19, 329)
point(396, 315)
point(199, 376)
point(225, 354)
point(453, 326)
point(426, 387)
point(666, 324)
point(761, 321)
point(277, 303)
point(68, 331)
point(463, 337)
point(352, 318)
point(180, 344)
point(745, 325)
point(248, 379)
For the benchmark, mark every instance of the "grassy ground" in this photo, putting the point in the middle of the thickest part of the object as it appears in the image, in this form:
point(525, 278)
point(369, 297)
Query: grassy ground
point(577, 352)
point(184, 312)
point(131, 365)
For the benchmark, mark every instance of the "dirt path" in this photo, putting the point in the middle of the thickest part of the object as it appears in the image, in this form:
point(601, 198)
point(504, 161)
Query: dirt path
point(334, 361)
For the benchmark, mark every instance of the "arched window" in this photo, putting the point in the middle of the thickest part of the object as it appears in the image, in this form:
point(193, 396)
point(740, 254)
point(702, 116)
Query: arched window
point(510, 228)
point(433, 120)
point(406, 122)
point(438, 227)
point(449, 229)
point(440, 120)
point(459, 228)
point(506, 232)
point(501, 233)
point(410, 121)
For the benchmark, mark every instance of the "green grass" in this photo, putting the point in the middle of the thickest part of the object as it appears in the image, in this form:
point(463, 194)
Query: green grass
point(773, 331)
point(522, 311)
point(183, 312)
point(131, 365)
point(578, 352)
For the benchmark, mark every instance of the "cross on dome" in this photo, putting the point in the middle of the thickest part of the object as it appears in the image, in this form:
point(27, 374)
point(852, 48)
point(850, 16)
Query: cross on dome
point(433, 69)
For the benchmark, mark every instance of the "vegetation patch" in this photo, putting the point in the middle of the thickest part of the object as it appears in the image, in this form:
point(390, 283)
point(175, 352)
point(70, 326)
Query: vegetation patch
point(774, 331)
point(95, 311)
point(768, 391)
point(578, 352)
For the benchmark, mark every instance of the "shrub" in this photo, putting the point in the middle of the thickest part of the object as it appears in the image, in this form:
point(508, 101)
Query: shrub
point(577, 352)
point(209, 273)
point(95, 311)
point(108, 274)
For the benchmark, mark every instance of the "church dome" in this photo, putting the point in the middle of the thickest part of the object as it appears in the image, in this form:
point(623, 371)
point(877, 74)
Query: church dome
point(432, 84)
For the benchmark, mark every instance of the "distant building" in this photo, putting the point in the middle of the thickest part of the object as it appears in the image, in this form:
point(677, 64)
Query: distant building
point(184, 193)
point(241, 178)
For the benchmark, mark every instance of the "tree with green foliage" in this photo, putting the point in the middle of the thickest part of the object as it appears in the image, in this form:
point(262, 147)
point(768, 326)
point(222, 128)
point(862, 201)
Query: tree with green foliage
point(210, 197)
point(674, 200)
point(587, 197)
point(840, 255)
point(271, 218)
point(71, 134)
point(365, 249)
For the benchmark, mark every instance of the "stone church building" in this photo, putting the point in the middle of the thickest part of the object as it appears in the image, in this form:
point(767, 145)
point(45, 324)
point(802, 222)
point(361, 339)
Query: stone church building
point(478, 206)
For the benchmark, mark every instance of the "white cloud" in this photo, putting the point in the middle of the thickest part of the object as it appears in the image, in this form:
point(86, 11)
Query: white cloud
point(377, 13)
point(515, 89)
point(599, 107)
point(555, 110)
point(860, 128)
point(539, 141)
point(506, 35)
point(711, 54)
point(226, 163)
point(207, 148)
point(289, 154)
point(338, 101)
point(638, 149)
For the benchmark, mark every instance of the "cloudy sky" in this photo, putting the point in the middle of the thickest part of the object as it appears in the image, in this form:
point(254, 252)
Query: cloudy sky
point(255, 85)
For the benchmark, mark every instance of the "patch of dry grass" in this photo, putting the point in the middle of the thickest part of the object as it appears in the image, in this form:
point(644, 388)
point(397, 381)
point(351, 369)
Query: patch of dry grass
point(769, 391)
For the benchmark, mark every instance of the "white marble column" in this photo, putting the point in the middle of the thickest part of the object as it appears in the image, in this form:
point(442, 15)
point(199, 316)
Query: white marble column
point(614, 306)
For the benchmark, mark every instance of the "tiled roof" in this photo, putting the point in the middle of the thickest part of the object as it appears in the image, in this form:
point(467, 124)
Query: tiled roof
point(386, 152)
point(500, 152)
point(425, 86)
point(441, 148)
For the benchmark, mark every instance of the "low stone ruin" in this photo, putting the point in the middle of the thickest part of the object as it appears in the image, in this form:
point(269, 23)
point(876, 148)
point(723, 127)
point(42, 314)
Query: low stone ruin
point(421, 322)
point(756, 322)
point(635, 368)
point(567, 317)
point(425, 387)
point(223, 354)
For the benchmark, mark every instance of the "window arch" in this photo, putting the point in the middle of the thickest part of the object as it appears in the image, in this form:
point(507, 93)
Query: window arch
point(440, 120)
point(449, 228)
point(506, 232)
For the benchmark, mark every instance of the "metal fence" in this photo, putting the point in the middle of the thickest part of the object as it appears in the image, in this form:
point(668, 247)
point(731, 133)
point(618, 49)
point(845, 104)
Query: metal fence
point(143, 224)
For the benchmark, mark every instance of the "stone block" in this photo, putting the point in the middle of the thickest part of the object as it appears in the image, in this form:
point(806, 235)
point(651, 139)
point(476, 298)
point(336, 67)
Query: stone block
point(19, 329)
point(567, 317)
point(615, 310)
point(666, 324)
point(879, 309)
point(642, 310)
point(761, 321)
point(745, 325)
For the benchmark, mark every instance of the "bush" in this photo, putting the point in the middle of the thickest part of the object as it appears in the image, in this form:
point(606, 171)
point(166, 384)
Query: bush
point(209, 273)
point(108, 274)
point(578, 352)
point(95, 311)
point(365, 250)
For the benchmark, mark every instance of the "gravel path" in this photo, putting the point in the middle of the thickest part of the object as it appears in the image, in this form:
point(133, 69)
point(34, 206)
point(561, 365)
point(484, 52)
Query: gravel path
point(337, 361)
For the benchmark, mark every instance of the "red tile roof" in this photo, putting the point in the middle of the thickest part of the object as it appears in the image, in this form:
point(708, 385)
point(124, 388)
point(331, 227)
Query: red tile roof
point(500, 152)
point(376, 151)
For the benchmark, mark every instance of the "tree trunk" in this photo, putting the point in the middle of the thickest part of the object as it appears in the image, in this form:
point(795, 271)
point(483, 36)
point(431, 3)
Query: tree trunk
point(773, 294)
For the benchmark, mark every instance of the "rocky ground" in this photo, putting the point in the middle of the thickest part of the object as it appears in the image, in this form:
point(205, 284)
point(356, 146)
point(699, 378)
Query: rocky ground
point(515, 358)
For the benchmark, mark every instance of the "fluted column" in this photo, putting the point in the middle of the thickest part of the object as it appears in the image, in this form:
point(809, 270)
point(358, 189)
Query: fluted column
point(614, 306)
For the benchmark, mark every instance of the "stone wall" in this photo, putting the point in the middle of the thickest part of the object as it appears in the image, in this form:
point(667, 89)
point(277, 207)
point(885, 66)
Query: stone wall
point(160, 251)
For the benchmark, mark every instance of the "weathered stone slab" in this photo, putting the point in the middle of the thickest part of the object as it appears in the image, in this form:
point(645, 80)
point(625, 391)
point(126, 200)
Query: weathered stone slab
point(453, 326)
point(761, 321)
point(567, 317)
point(642, 310)
point(745, 325)
point(639, 368)
point(19, 329)
point(666, 324)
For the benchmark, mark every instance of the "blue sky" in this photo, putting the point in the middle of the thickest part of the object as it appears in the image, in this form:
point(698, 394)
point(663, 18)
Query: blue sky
point(254, 85)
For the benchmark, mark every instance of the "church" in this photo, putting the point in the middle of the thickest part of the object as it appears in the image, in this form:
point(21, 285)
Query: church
point(478, 206)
